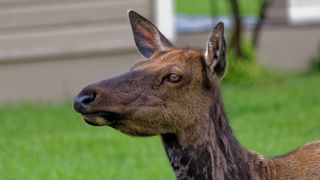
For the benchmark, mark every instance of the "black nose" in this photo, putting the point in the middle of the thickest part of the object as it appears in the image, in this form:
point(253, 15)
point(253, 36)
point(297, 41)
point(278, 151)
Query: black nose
point(83, 101)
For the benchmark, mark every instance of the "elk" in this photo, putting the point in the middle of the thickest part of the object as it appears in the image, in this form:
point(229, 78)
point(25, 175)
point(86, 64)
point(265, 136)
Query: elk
point(175, 93)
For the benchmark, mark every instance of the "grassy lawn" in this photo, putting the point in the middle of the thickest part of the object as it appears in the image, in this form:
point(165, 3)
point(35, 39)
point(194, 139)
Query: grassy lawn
point(202, 7)
point(52, 142)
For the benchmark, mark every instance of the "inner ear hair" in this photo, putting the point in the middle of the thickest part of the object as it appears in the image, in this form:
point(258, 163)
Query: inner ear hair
point(148, 39)
point(216, 52)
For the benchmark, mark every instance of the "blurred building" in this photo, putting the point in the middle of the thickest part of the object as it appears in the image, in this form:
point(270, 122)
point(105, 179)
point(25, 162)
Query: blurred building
point(291, 35)
point(50, 49)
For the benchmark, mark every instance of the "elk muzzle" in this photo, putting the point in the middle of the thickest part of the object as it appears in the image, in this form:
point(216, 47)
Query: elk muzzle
point(86, 103)
point(109, 101)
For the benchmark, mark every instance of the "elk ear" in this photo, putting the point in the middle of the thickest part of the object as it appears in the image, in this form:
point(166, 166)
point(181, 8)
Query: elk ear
point(216, 53)
point(147, 37)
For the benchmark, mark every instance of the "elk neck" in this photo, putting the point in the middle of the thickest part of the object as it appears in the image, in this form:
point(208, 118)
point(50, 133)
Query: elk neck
point(209, 150)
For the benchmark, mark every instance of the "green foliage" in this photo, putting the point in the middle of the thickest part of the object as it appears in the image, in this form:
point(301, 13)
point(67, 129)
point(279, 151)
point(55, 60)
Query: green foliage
point(222, 8)
point(316, 61)
point(276, 118)
point(245, 70)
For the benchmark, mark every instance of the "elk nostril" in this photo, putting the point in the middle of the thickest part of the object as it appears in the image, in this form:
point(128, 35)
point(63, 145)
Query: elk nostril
point(83, 101)
point(86, 100)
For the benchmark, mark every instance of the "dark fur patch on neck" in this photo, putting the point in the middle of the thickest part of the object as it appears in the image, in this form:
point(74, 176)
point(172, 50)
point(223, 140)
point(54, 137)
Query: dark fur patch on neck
point(187, 163)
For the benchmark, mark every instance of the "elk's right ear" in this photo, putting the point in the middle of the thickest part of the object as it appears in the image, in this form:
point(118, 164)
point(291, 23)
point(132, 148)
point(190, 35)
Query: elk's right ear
point(147, 37)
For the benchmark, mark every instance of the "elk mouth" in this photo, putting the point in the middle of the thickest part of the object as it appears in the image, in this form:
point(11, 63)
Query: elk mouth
point(102, 118)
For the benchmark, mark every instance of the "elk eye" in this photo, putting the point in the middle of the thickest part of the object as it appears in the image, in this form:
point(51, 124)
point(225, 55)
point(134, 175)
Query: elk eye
point(173, 78)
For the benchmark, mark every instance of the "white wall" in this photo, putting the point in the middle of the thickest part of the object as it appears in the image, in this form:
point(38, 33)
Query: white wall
point(165, 17)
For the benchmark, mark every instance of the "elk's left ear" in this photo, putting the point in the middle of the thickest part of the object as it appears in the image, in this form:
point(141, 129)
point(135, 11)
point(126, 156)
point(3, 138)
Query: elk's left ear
point(147, 37)
point(216, 53)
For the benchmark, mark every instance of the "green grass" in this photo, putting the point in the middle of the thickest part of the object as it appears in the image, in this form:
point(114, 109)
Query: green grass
point(275, 118)
point(202, 7)
point(52, 142)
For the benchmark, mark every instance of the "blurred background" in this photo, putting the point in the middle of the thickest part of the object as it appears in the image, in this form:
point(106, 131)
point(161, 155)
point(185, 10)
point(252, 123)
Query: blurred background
point(50, 49)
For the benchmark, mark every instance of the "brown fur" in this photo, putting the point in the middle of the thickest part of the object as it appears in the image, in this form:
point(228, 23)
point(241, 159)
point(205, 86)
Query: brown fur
point(187, 111)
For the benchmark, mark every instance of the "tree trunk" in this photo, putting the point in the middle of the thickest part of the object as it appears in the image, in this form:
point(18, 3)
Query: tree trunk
point(236, 39)
point(257, 29)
